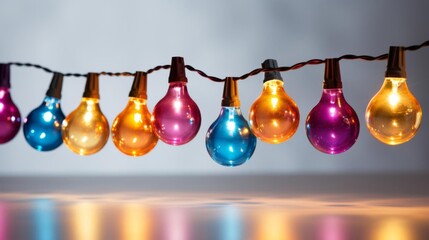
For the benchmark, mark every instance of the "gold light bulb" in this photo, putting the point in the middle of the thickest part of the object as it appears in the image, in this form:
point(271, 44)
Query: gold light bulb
point(132, 131)
point(274, 116)
point(393, 115)
point(85, 131)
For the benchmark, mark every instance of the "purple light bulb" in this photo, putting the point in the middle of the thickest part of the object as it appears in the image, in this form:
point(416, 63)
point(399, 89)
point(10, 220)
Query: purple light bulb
point(176, 118)
point(10, 118)
point(332, 125)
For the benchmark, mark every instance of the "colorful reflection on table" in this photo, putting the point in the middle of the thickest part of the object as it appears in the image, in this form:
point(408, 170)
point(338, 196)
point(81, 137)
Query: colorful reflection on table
point(203, 217)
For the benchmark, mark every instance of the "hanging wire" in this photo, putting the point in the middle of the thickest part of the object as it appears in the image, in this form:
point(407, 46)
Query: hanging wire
point(244, 76)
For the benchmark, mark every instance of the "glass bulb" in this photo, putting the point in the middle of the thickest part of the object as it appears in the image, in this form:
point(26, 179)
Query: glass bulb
point(393, 115)
point(86, 130)
point(132, 131)
point(176, 117)
point(42, 127)
point(229, 140)
point(10, 118)
point(332, 126)
point(274, 116)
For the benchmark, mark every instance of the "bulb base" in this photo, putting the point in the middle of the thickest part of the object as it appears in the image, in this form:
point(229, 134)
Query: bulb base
point(396, 63)
point(177, 70)
point(332, 77)
point(271, 75)
point(230, 93)
point(56, 86)
point(91, 87)
point(139, 88)
point(4, 75)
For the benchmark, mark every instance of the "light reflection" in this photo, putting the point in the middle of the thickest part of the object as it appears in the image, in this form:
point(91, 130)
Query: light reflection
point(394, 99)
point(176, 224)
point(44, 219)
point(231, 223)
point(47, 116)
point(3, 222)
point(85, 221)
point(332, 228)
point(138, 117)
point(273, 224)
point(135, 222)
point(228, 218)
point(393, 229)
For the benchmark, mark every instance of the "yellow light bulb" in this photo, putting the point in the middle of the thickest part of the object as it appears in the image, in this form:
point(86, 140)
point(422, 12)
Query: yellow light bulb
point(132, 131)
point(85, 131)
point(274, 116)
point(393, 115)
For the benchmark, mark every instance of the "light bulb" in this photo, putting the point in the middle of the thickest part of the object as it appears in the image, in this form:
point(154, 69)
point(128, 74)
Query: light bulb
point(132, 131)
point(332, 125)
point(393, 115)
point(42, 127)
point(10, 118)
point(176, 117)
point(86, 130)
point(229, 140)
point(274, 116)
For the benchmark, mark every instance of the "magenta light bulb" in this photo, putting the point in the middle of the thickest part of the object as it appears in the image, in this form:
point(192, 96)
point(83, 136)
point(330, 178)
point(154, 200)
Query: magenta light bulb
point(10, 118)
point(332, 125)
point(176, 118)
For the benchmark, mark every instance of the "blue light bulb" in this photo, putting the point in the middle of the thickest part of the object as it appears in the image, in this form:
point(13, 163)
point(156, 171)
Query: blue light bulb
point(42, 127)
point(229, 140)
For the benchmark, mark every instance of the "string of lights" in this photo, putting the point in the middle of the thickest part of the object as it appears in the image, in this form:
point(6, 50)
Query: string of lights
point(244, 76)
point(393, 116)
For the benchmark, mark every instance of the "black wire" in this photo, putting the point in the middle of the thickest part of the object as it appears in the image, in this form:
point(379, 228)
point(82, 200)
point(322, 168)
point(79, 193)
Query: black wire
point(157, 68)
point(244, 76)
point(203, 74)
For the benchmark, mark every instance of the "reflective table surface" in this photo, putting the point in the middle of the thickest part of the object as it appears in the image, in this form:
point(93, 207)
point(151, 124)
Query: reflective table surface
point(216, 207)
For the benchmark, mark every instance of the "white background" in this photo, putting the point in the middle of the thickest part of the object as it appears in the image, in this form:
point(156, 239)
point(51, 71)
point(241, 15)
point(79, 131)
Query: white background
point(223, 38)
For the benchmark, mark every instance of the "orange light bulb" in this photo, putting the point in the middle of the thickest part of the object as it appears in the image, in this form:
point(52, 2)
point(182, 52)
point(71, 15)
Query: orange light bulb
point(85, 131)
point(393, 116)
point(274, 116)
point(132, 131)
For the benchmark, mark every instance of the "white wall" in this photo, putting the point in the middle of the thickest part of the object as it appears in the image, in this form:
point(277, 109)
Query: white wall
point(223, 38)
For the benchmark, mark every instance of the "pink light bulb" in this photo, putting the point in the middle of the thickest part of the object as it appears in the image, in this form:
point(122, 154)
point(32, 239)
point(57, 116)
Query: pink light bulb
point(176, 118)
point(10, 118)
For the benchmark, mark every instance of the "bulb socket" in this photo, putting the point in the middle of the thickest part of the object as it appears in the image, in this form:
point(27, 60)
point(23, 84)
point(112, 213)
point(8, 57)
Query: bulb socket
point(396, 63)
point(91, 87)
point(177, 70)
point(230, 93)
point(4, 75)
point(332, 77)
point(271, 75)
point(139, 88)
point(56, 86)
